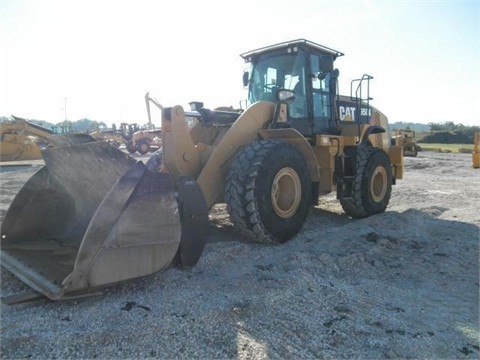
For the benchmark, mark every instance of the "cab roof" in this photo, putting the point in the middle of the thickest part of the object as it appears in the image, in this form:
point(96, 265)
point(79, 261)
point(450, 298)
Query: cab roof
point(293, 45)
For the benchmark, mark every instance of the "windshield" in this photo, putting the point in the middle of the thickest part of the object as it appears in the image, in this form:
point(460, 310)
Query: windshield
point(269, 73)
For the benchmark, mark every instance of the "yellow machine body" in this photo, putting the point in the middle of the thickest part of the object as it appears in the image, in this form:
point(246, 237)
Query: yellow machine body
point(94, 216)
point(20, 140)
point(476, 151)
point(406, 139)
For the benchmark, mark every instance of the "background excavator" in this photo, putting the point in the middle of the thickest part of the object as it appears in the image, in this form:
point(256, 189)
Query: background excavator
point(96, 216)
point(21, 140)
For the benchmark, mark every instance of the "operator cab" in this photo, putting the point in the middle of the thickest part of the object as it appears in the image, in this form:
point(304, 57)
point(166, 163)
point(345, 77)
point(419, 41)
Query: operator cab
point(300, 73)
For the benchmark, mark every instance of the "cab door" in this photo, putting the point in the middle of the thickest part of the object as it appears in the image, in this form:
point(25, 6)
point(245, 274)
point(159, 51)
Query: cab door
point(321, 67)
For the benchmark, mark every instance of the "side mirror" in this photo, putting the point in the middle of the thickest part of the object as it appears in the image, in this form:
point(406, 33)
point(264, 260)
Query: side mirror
point(326, 63)
point(246, 77)
point(336, 73)
point(322, 75)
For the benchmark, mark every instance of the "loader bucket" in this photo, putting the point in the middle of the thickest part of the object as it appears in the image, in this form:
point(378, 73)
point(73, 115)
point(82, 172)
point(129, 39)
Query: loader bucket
point(94, 216)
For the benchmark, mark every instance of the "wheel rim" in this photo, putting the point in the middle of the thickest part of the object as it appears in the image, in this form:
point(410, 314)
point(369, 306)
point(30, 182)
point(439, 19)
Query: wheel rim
point(144, 148)
point(286, 192)
point(378, 185)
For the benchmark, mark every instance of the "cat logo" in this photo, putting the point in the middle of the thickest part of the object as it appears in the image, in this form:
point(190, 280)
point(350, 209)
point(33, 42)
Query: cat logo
point(347, 113)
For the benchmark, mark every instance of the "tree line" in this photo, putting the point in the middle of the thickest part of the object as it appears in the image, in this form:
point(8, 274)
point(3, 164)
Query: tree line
point(83, 125)
point(439, 133)
point(450, 133)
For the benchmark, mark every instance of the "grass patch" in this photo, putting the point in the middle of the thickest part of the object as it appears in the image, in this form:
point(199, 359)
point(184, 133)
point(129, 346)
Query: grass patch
point(456, 148)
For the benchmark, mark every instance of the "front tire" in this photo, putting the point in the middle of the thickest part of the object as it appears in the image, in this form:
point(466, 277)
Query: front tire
point(372, 183)
point(143, 146)
point(268, 191)
point(414, 150)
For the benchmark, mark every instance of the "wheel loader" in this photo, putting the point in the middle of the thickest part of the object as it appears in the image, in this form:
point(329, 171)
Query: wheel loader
point(149, 139)
point(126, 131)
point(406, 139)
point(122, 136)
point(93, 216)
point(139, 140)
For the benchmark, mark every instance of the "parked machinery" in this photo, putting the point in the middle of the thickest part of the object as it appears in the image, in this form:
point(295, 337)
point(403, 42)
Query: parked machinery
point(476, 151)
point(406, 139)
point(149, 139)
point(97, 216)
point(20, 140)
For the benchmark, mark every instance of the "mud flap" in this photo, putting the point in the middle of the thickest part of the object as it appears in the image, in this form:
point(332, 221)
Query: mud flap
point(194, 219)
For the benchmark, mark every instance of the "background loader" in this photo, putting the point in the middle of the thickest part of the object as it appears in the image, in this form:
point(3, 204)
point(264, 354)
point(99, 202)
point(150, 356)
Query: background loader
point(149, 139)
point(133, 137)
point(97, 216)
point(118, 137)
point(406, 139)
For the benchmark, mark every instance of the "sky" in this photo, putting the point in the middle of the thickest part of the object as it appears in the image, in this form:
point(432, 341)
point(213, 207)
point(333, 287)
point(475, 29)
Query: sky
point(97, 59)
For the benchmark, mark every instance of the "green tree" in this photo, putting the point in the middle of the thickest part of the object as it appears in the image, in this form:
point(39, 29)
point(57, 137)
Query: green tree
point(450, 133)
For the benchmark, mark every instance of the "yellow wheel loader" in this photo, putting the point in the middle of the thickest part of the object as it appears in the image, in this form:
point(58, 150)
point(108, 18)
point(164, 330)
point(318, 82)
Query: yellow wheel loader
point(149, 139)
point(126, 131)
point(94, 216)
point(406, 139)
point(113, 137)
point(145, 141)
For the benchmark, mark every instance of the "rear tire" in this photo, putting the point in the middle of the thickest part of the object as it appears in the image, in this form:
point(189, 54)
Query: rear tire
point(372, 183)
point(268, 191)
point(414, 150)
point(130, 148)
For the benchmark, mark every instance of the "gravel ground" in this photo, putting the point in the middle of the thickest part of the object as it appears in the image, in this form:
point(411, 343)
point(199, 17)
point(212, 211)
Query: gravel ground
point(403, 284)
